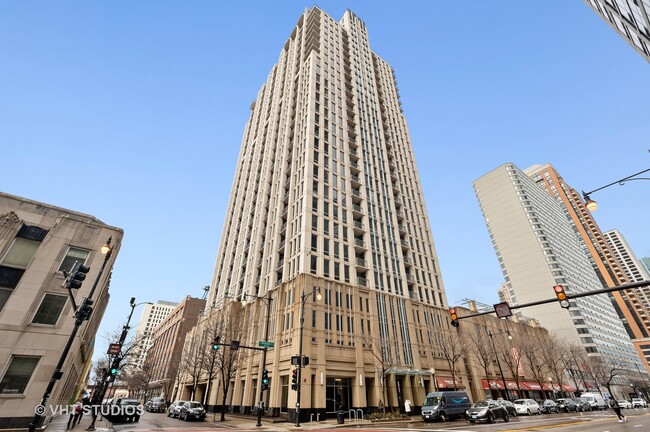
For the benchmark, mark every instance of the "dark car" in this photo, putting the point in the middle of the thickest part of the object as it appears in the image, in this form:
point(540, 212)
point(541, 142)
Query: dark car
point(175, 408)
point(566, 405)
point(487, 410)
point(583, 404)
point(156, 404)
point(191, 411)
point(123, 410)
point(547, 406)
point(510, 407)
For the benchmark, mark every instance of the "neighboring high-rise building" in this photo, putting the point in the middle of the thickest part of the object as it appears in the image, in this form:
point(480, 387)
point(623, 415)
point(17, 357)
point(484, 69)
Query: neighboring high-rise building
point(38, 242)
point(327, 196)
point(164, 356)
point(537, 247)
point(645, 262)
point(151, 316)
point(629, 18)
point(629, 307)
point(634, 270)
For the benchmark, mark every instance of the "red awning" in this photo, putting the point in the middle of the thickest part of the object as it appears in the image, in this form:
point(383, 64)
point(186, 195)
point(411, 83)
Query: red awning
point(448, 382)
point(513, 385)
point(568, 388)
point(533, 385)
point(492, 385)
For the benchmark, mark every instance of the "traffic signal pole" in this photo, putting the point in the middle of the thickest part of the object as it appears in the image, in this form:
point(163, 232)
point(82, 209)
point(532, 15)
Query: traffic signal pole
point(633, 285)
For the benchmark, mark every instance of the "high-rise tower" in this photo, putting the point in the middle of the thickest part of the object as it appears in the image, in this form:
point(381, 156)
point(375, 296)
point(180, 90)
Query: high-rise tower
point(629, 19)
point(603, 257)
point(327, 196)
point(538, 247)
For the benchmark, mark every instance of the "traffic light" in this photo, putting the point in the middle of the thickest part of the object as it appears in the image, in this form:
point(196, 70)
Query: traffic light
point(265, 379)
point(215, 343)
point(561, 296)
point(85, 309)
point(454, 317)
point(294, 379)
point(77, 275)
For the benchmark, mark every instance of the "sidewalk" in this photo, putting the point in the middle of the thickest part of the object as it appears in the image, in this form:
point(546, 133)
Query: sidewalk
point(58, 424)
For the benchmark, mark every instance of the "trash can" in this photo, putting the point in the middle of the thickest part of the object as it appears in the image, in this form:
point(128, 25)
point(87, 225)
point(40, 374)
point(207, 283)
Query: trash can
point(340, 417)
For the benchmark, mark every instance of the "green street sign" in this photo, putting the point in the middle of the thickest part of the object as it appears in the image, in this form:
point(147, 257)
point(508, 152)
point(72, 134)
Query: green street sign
point(266, 344)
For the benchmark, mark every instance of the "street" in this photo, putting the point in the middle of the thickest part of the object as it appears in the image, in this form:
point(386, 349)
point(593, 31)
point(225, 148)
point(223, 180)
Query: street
point(599, 421)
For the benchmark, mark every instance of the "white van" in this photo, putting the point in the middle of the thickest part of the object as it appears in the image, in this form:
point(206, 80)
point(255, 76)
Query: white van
point(595, 400)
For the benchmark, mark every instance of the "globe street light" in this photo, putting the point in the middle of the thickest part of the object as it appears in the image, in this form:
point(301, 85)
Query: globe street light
point(593, 205)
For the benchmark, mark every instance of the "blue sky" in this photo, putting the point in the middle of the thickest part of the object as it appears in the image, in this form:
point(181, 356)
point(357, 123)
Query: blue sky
point(134, 112)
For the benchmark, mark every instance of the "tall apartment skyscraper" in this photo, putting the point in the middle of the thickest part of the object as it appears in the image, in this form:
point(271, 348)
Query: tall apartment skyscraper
point(152, 315)
point(608, 268)
point(634, 269)
point(629, 18)
point(537, 247)
point(327, 196)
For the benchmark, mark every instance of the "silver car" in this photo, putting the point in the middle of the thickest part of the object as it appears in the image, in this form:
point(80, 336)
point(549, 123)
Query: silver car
point(527, 406)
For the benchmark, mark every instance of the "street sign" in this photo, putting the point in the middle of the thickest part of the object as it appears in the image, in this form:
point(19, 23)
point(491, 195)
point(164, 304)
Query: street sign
point(266, 344)
point(114, 349)
point(502, 310)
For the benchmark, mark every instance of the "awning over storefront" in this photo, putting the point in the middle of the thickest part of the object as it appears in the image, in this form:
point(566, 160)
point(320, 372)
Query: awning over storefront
point(492, 385)
point(447, 382)
point(568, 388)
point(397, 371)
point(533, 386)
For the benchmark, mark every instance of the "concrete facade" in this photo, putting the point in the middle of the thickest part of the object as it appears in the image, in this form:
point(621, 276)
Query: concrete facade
point(327, 196)
point(37, 242)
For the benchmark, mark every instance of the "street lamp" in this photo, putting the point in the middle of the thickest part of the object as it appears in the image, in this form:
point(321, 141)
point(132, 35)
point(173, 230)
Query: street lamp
point(505, 386)
point(98, 396)
point(593, 205)
point(314, 293)
point(79, 319)
point(550, 381)
point(267, 301)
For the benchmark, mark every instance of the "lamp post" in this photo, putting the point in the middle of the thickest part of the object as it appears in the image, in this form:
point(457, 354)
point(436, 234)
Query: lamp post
point(505, 386)
point(593, 205)
point(315, 293)
point(550, 382)
point(98, 396)
point(267, 301)
point(79, 319)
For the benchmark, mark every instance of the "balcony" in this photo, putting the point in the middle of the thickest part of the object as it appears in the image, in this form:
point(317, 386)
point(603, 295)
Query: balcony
point(357, 210)
point(361, 281)
point(358, 226)
point(361, 263)
point(359, 244)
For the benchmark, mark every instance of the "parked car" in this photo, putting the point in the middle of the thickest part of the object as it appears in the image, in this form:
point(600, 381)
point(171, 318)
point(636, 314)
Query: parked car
point(175, 408)
point(527, 406)
point(156, 404)
point(191, 410)
point(123, 410)
point(445, 405)
point(624, 404)
point(487, 410)
point(583, 404)
point(639, 403)
point(510, 407)
point(595, 400)
point(547, 406)
point(567, 405)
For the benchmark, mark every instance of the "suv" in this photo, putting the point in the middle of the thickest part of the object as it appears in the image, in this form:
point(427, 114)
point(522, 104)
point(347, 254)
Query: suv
point(191, 411)
point(123, 410)
point(156, 404)
point(639, 403)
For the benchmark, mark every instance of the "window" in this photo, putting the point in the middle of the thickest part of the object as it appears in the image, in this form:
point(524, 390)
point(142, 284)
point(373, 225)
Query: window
point(50, 309)
point(18, 374)
point(73, 255)
point(16, 260)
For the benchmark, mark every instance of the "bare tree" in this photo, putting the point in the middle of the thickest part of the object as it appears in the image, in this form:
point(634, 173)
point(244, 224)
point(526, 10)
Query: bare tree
point(604, 372)
point(380, 348)
point(210, 359)
point(194, 352)
point(452, 349)
point(551, 353)
point(510, 351)
point(533, 352)
point(230, 326)
point(138, 378)
point(480, 350)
